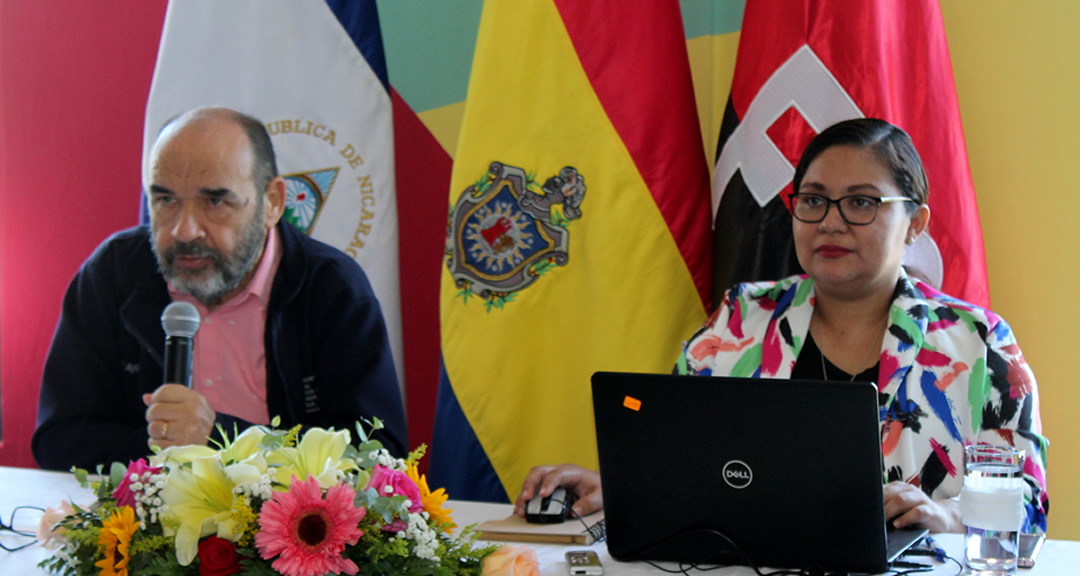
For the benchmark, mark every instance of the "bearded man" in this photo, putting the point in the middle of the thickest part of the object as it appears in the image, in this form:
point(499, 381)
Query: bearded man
point(290, 326)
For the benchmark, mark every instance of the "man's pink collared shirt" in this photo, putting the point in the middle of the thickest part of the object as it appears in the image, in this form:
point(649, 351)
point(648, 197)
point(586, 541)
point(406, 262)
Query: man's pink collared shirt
point(229, 366)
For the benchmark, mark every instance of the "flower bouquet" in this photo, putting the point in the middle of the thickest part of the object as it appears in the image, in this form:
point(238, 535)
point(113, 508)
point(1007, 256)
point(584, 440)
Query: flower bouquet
point(266, 502)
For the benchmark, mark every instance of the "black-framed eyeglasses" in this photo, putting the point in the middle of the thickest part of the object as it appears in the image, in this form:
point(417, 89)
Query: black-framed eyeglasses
point(856, 210)
point(18, 513)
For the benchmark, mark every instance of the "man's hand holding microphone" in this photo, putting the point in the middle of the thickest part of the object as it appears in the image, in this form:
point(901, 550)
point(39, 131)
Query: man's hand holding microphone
point(176, 415)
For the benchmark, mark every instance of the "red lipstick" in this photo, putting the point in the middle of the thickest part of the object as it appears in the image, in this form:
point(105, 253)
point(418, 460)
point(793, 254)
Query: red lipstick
point(832, 251)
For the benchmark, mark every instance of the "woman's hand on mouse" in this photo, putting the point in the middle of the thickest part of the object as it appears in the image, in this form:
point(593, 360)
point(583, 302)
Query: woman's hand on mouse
point(543, 480)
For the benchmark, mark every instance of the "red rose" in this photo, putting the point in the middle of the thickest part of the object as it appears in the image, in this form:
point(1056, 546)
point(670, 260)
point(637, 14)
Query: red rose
point(217, 557)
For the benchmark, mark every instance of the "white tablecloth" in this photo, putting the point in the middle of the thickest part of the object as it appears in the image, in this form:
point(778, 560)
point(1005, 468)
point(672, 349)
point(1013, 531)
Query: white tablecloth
point(20, 486)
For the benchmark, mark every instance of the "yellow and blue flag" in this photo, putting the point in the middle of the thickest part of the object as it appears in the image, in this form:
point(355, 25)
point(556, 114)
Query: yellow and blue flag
point(578, 232)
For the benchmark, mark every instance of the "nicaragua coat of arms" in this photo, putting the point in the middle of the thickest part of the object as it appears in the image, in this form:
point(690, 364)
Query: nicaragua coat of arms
point(506, 231)
point(305, 194)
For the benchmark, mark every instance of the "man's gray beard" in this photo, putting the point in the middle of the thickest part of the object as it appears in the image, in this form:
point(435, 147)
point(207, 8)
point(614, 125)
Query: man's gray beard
point(225, 273)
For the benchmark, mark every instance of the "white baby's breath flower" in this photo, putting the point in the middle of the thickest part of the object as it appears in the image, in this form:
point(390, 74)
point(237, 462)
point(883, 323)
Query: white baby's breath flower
point(67, 554)
point(425, 538)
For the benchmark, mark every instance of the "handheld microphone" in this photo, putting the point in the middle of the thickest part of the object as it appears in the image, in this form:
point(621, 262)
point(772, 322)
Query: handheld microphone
point(180, 321)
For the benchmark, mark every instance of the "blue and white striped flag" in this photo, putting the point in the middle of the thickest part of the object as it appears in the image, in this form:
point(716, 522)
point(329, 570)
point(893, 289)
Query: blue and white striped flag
point(315, 72)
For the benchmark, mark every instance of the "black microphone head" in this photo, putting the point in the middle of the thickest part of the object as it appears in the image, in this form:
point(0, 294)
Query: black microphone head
point(180, 319)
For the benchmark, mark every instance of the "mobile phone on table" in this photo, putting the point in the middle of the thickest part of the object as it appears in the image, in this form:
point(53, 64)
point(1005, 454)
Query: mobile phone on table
point(584, 562)
point(1030, 544)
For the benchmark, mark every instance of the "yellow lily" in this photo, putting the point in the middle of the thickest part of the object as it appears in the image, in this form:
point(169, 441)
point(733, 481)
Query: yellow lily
point(244, 446)
point(319, 454)
point(181, 455)
point(201, 500)
point(245, 460)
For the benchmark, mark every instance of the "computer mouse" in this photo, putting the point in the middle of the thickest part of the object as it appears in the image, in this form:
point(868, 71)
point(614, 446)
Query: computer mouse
point(551, 509)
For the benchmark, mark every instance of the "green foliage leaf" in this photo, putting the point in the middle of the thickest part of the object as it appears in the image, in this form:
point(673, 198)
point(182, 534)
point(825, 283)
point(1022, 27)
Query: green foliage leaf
point(364, 436)
point(389, 507)
point(117, 473)
point(417, 454)
point(361, 435)
point(55, 565)
point(105, 486)
point(81, 476)
point(164, 565)
point(252, 566)
point(365, 497)
point(371, 446)
point(273, 440)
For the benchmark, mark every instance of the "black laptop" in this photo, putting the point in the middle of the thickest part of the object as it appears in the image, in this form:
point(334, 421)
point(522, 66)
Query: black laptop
point(789, 472)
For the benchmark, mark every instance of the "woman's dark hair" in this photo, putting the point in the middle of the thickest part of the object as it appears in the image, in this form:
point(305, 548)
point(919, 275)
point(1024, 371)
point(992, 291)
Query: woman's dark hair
point(888, 143)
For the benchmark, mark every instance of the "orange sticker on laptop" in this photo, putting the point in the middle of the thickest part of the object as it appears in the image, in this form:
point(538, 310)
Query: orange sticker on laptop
point(632, 403)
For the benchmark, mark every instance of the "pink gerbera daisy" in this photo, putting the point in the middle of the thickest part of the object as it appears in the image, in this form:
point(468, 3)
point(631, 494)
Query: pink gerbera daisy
point(309, 532)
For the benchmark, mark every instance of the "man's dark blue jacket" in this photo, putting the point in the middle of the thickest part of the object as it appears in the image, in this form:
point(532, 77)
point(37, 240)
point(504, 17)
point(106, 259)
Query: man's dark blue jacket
point(328, 359)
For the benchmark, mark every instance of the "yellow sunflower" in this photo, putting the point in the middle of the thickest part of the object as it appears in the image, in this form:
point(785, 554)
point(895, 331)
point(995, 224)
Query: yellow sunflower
point(114, 541)
point(432, 501)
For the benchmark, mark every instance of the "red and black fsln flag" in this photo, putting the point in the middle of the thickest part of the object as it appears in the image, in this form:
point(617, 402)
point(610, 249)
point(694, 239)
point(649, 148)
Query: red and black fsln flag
point(802, 67)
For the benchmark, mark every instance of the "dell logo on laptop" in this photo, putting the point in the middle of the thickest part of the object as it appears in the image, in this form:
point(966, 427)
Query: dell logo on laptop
point(737, 474)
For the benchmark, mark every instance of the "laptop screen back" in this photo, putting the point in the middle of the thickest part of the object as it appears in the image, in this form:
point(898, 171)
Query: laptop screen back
point(790, 471)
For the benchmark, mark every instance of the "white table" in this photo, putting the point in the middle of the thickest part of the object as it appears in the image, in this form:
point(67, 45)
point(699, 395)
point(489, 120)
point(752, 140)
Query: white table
point(19, 486)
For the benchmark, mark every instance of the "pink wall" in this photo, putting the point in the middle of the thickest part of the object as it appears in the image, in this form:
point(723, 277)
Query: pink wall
point(74, 78)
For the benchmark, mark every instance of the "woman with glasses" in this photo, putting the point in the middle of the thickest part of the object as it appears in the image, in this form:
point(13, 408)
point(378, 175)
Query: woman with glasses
point(948, 373)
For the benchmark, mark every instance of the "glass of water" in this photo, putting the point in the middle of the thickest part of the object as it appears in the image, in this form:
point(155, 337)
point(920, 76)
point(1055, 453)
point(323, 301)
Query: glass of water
point(992, 507)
